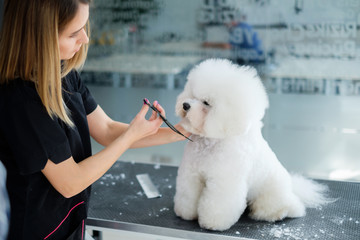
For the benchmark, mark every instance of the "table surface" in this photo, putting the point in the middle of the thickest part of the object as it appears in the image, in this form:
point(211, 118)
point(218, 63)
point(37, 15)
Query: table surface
point(119, 203)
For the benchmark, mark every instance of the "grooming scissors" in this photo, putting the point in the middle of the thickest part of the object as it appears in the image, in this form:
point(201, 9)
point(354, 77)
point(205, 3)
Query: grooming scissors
point(165, 120)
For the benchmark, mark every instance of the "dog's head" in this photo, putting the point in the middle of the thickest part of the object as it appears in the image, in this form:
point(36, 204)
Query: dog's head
point(221, 99)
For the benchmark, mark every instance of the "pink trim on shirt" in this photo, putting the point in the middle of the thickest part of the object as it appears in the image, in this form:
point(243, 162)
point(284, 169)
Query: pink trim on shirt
point(82, 231)
point(65, 219)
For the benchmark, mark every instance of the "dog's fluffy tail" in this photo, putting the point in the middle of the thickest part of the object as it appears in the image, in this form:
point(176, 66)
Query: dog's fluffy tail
point(311, 193)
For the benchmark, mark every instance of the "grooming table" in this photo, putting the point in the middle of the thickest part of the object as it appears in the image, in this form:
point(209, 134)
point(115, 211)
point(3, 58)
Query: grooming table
point(119, 203)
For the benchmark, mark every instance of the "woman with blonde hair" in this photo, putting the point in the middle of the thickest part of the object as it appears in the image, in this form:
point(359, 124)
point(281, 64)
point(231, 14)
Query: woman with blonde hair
point(48, 116)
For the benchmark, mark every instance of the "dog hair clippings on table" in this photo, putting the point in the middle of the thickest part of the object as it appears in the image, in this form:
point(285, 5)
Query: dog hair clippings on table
point(165, 120)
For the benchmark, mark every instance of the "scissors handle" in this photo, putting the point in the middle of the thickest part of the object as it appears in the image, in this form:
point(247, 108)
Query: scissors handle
point(166, 121)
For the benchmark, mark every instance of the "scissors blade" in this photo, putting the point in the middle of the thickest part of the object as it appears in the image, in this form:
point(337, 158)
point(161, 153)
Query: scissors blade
point(166, 121)
point(175, 130)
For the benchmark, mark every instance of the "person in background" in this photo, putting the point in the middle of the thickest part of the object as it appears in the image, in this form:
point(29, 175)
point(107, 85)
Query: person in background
point(245, 43)
point(48, 116)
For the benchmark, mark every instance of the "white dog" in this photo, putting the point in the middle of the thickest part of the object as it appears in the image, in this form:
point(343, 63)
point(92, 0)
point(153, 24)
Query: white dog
point(229, 165)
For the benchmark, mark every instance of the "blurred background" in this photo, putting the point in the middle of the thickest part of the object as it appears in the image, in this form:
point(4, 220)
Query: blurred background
point(306, 52)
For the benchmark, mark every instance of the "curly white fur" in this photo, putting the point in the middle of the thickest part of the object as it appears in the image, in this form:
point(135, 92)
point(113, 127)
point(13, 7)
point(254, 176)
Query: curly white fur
point(230, 166)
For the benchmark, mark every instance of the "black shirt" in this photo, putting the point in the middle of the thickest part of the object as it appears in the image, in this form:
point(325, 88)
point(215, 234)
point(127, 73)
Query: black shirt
point(28, 138)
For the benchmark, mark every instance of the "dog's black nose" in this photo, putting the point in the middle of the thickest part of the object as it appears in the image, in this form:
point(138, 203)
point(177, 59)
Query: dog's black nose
point(186, 106)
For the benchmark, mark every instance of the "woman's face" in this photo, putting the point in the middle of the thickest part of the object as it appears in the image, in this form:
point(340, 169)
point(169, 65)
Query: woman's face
point(74, 35)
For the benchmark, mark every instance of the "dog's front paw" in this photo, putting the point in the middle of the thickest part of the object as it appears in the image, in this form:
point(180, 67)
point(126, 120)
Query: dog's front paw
point(218, 219)
point(215, 223)
point(186, 212)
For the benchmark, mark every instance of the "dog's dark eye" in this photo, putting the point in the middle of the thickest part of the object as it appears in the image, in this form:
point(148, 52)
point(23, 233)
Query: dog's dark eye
point(206, 103)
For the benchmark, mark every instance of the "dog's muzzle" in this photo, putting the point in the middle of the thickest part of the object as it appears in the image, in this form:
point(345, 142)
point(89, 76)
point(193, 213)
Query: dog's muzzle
point(186, 106)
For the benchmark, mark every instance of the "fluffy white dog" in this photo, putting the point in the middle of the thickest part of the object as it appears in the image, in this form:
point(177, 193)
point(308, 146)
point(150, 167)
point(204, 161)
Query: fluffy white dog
point(230, 166)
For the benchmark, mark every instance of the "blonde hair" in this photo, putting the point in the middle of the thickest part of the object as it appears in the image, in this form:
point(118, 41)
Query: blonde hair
point(29, 48)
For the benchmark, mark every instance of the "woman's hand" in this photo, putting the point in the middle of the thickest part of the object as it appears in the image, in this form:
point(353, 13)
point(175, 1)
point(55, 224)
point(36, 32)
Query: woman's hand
point(140, 127)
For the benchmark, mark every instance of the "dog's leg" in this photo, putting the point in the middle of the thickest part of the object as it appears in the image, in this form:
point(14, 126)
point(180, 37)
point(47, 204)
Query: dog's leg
point(188, 189)
point(222, 203)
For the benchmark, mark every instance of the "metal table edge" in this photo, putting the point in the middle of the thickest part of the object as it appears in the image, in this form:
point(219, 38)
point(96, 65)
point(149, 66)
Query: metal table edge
point(101, 225)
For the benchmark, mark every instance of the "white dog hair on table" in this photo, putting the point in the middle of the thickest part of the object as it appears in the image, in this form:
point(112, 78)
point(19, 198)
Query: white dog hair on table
point(229, 165)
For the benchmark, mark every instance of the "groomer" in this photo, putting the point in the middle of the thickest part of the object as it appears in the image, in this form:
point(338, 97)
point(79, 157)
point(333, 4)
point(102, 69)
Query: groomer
point(48, 116)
